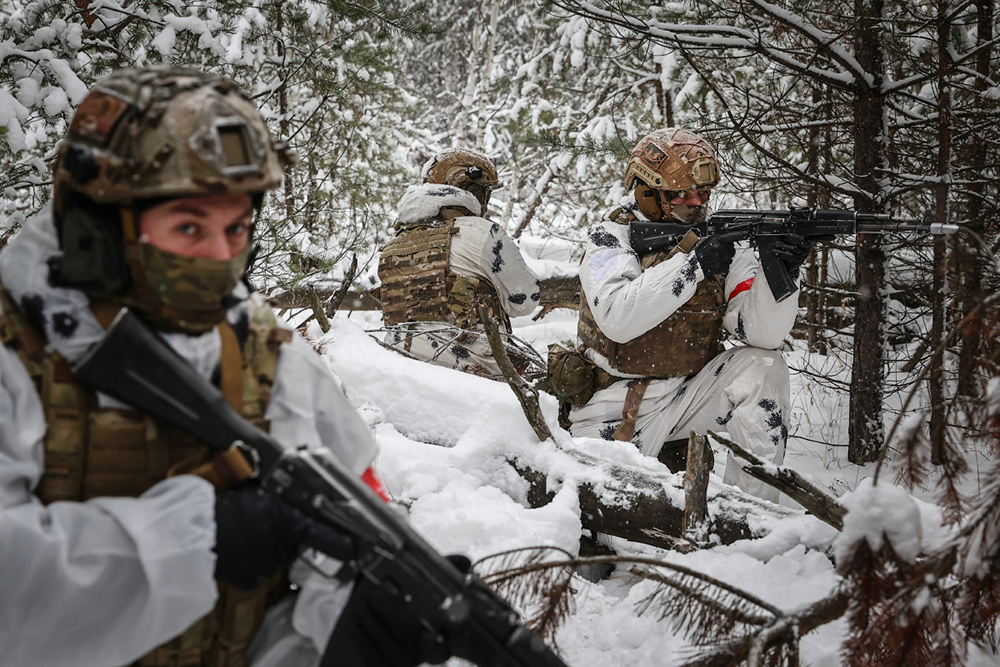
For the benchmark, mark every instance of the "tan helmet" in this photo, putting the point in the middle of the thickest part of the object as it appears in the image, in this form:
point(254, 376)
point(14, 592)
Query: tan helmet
point(464, 169)
point(672, 159)
point(139, 137)
point(165, 132)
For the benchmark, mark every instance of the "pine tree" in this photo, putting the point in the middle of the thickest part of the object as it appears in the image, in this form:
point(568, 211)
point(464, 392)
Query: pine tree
point(766, 74)
point(321, 73)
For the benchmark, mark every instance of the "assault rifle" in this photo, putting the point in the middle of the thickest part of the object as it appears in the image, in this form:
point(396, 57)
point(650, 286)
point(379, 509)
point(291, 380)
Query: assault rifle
point(135, 365)
point(765, 228)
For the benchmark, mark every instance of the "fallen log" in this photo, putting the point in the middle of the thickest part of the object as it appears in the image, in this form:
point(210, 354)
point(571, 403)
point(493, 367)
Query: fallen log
point(648, 507)
point(554, 293)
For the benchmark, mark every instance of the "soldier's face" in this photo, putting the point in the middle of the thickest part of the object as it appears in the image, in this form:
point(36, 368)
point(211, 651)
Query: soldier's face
point(212, 227)
point(686, 206)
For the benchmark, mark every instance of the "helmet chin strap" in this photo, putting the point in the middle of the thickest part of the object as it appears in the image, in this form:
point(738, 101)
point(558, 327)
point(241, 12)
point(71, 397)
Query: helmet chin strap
point(130, 228)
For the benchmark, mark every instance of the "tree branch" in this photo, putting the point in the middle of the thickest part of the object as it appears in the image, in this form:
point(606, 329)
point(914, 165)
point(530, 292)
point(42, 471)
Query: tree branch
point(527, 395)
point(824, 506)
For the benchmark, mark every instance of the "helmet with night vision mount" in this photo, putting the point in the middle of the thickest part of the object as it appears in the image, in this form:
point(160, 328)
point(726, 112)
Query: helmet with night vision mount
point(465, 169)
point(666, 164)
point(139, 138)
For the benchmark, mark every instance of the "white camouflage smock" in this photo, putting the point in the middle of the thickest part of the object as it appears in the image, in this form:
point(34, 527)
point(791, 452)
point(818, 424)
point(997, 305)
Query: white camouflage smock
point(102, 582)
point(743, 391)
point(479, 249)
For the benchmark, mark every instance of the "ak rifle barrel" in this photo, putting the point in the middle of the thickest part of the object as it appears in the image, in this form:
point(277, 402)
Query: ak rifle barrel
point(860, 223)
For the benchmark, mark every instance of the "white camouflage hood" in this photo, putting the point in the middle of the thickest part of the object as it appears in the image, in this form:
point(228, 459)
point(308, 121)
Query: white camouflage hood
point(424, 201)
point(28, 272)
point(27, 269)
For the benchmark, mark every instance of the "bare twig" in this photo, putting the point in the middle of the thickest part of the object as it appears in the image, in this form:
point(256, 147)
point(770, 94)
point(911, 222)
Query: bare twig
point(526, 394)
point(786, 628)
point(824, 506)
point(338, 296)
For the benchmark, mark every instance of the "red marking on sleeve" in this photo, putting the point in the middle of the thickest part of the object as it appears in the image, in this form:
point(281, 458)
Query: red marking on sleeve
point(374, 482)
point(742, 287)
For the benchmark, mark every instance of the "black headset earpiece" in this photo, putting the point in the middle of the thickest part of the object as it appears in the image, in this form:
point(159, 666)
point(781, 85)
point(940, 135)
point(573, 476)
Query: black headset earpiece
point(93, 258)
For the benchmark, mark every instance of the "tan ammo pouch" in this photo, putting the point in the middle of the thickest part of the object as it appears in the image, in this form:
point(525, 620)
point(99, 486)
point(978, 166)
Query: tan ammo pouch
point(571, 375)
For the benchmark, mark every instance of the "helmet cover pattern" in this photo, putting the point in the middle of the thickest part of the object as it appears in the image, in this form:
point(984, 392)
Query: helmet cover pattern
point(466, 169)
point(672, 159)
point(165, 132)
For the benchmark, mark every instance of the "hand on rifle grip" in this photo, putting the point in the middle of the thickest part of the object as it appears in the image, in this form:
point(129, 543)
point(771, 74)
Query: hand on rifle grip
point(258, 535)
point(716, 253)
point(793, 250)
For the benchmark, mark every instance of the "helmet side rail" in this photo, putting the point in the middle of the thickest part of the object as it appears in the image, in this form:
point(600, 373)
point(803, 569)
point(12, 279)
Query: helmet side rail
point(135, 365)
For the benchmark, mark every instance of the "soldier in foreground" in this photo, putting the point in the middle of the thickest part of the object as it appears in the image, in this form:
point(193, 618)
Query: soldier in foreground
point(446, 261)
point(653, 325)
point(114, 526)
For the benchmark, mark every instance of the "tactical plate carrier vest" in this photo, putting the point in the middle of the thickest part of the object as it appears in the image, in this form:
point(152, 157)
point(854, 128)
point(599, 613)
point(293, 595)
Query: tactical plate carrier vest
point(681, 344)
point(92, 451)
point(417, 285)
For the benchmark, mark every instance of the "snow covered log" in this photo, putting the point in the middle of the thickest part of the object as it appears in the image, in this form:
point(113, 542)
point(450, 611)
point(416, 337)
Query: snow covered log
point(300, 297)
point(561, 292)
point(644, 506)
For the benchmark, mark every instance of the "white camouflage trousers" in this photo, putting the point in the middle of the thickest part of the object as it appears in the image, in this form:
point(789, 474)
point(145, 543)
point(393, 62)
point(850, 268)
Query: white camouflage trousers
point(743, 391)
point(444, 345)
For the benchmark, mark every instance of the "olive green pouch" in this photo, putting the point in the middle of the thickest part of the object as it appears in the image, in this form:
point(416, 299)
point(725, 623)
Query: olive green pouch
point(571, 375)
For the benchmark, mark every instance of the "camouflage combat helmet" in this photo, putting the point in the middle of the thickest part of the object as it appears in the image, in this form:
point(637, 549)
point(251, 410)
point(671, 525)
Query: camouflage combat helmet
point(464, 169)
point(139, 137)
point(164, 132)
point(672, 159)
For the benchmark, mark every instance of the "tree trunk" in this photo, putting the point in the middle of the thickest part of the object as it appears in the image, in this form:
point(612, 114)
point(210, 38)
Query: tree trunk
point(935, 377)
point(699, 463)
point(484, 83)
point(460, 136)
point(664, 100)
point(817, 198)
point(866, 432)
point(969, 259)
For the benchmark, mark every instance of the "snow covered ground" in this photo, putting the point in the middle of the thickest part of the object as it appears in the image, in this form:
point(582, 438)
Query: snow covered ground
point(446, 439)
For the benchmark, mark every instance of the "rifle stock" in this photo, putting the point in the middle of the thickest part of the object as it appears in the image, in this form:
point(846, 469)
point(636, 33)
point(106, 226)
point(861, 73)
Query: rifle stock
point(133, 364)
point(765, 228)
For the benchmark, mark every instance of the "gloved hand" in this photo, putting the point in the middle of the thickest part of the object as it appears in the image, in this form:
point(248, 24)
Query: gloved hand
point(377, 629)
point(793, 250)
point(258, 535)
point(716, 253)
point(387, 633)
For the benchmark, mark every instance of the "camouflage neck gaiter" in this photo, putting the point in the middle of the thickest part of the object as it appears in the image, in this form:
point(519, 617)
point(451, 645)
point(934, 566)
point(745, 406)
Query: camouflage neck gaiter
point(687, 214)
point(189, 293)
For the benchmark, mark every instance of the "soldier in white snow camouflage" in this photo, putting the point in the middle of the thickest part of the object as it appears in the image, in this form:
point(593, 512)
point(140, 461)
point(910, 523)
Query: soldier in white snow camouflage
point(654, 325)
point(446, 262)
point(124, 541)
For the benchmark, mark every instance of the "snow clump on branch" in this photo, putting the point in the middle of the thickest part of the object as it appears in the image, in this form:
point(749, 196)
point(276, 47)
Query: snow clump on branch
point(875, 513)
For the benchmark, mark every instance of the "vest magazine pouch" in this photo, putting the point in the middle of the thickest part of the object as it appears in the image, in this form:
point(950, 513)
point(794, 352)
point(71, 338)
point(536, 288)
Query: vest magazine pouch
point(571, 375)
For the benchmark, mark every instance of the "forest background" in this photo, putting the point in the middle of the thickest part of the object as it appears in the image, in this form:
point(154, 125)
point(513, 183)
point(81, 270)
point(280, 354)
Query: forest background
point(892, 107)
point(877, 105)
